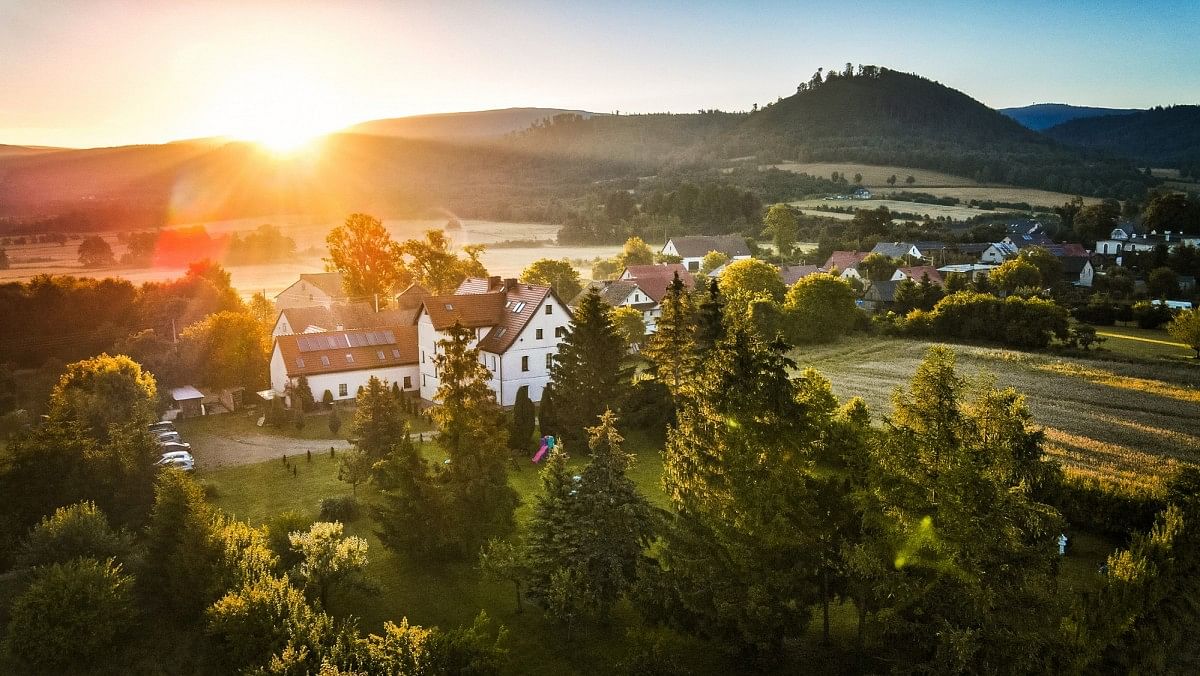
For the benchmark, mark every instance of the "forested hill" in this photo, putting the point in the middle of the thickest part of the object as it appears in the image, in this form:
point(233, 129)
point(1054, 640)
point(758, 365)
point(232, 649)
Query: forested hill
point(471, 125)
point(1041, 116)
point(873, 115)
point(1167, 137)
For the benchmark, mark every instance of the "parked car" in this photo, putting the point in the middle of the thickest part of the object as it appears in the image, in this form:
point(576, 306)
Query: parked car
point(162, 426)
point(183, 464)
point(170, 446)
point(176, 455)
point(169, 437)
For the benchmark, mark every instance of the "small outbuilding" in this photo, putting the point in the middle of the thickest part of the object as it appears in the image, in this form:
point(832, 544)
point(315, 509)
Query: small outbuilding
point(188, 400)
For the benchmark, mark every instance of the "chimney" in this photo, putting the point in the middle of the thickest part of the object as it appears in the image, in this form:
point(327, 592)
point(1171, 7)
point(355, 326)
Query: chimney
point(493, 282)
point(509, 284)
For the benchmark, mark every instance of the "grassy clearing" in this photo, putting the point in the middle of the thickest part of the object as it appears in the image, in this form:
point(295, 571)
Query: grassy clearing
point(452, 593)
point(1132, 341)
point(957, 213)
point(316, 426)
point(1134, 421)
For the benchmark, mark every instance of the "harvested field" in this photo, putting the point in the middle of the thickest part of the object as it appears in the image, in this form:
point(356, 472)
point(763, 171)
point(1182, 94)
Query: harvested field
point(957, 212)
point(1136, 422)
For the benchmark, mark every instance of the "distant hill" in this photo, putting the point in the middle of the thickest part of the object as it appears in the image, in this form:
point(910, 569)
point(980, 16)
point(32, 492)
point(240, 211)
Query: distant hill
point(8, 151)
point(1042, 116)
point(461, 126)
point(876, 116)
point(1163, 137)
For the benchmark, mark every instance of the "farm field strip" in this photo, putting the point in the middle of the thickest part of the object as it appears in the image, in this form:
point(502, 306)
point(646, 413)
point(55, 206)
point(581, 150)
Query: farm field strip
point(1125, 421)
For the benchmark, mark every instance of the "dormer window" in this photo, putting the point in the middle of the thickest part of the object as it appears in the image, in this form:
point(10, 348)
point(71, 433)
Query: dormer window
point(349, 358)
point(300, 362)
point(324, 360)
point(449, 306)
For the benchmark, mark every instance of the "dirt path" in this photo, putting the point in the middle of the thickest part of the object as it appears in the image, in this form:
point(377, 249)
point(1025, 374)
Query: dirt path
point(214, 450)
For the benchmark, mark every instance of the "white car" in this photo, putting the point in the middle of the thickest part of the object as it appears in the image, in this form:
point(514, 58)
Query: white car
point(172, 437)
point(181, 460)
point(162, 426)
point(171, 446)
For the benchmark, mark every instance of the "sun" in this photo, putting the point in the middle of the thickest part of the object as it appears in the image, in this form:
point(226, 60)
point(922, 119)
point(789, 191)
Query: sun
point(278, 106)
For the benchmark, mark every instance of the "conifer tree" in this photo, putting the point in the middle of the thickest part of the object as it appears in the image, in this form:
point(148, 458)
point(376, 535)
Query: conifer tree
point(741, 558)
point(474, 435)
point(548, 424)
point(614, 519)
point(587, 374)
point(672, 348)
point(521, 431)
point(377, 421)
point(411, 514)
point(554, 529)
point(710, 321)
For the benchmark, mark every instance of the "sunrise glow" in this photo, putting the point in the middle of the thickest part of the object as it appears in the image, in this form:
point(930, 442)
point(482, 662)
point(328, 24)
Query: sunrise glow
point(279, 106)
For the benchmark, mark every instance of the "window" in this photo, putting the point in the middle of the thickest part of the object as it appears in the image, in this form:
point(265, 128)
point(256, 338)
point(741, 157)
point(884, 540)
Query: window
point(324, 360)
point(539, 334)
point(549, 309)
point(424, 380)
point(525, 363)
point(519, 306)
point(396, 354)
point(342, 389)
point(559, 331)
point(449, 306)
point(549, 360)
point(407, 382)
point(422, 356)
point(300, 362)
point(349, 358)
point(381, 357)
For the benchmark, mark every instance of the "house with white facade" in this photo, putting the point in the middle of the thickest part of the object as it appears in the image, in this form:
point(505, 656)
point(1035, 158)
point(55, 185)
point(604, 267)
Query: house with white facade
point(998, 252)
point(338, 317)
point(516, 326)
point(624, 293)
point(846, 263)
point(692, 249)
point(654, 281)
point(340, 362)
point(898, 250)
point(322, 288)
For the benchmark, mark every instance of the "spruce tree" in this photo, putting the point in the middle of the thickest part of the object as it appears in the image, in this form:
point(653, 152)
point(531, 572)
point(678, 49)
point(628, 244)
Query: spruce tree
point(587, 374)
point(474, 435)
point(614, 519)
point(672, 348)
point(411, 514)
point(554, 528)
point(521, 431)
point(741, 559)
point(377, 421)
point(548, 424)
point(710, 319)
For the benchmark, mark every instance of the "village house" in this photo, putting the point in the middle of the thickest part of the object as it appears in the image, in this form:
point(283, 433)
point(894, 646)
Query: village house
point(898, 250)
point(998, 252)
point(517, 328)
point(880, 295)
point(321, 288)
point(846, 263)
point(692, 249)
point(340, 362)
point(654, 281)
point(790, 274)
point(917, 273)
point(338, 317)
point(624, 293)
point(971, 270)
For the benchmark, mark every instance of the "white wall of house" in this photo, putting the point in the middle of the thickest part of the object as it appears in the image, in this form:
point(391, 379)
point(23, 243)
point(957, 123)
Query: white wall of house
point(1109, 247)
point(996, 255)
point(282, 328)
point(1086, 274)
point(302, 294)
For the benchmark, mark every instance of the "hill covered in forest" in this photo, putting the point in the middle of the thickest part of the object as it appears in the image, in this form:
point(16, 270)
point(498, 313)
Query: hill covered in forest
point(1041, 116)
point(1163, 137)
point(473, 125)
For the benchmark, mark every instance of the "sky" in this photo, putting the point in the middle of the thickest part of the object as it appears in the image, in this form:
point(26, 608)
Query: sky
point(86, 73)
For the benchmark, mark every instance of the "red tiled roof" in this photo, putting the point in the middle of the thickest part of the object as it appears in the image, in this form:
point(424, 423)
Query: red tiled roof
point(917, 272)
point(329, 282)
point(346, 315)
point(306, 363)
point(794, 273)
point(654, 279)
point(845, 260)
point(472, 310)
point(522, 301)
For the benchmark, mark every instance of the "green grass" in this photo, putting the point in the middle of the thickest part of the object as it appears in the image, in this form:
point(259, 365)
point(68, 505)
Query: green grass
point(451, 594)
point(316, 425)
point(1131, 341)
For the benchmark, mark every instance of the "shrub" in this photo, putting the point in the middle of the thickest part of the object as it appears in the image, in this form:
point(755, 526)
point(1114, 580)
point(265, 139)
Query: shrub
point(327, 398)
point(278, 529)
point(77, 531)
point(344, 508)
point(1150, 315)
point(1108, 507)
point(71, 616)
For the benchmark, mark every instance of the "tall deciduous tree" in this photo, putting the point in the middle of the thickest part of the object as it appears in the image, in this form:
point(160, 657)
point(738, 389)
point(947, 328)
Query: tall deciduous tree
point(744, 280)
point(1185, 328)
point(559, 275)
point(434, 265)
point(1016, 274)
point(228, 349)
point(629, 324)
point(328, 559)
point(819, 308)
point(635, 252)
point(587, 373)
point(711, 261)
point(95, 252)
point(780, 221)
point(363, 251)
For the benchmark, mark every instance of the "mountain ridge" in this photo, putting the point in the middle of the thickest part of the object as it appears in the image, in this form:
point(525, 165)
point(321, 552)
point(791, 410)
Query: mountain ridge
point(1042, 116)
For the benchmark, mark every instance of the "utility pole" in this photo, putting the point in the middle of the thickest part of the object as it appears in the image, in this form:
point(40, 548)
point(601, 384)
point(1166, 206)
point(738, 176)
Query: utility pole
point(174, 336)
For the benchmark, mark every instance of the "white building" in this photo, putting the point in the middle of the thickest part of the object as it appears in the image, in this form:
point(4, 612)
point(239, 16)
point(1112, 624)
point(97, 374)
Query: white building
point(998, 252)
point(339, 317)
point(323, 288)
point(340, 362)
point(693, 248)
point(652, 282)
point(517, 329)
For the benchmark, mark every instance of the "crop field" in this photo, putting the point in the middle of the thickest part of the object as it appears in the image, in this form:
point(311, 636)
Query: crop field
point(29, 260)
point(932, 182)
point(1135, 422)
point(956, 212)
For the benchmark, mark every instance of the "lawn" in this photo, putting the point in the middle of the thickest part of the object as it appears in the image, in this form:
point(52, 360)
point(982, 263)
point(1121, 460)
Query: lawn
point(245, 423)
point(451, 594)
point(1131, 341)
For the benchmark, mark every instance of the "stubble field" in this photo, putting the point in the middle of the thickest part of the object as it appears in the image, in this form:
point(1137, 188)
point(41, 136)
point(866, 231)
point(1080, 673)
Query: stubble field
point(1134, 422)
